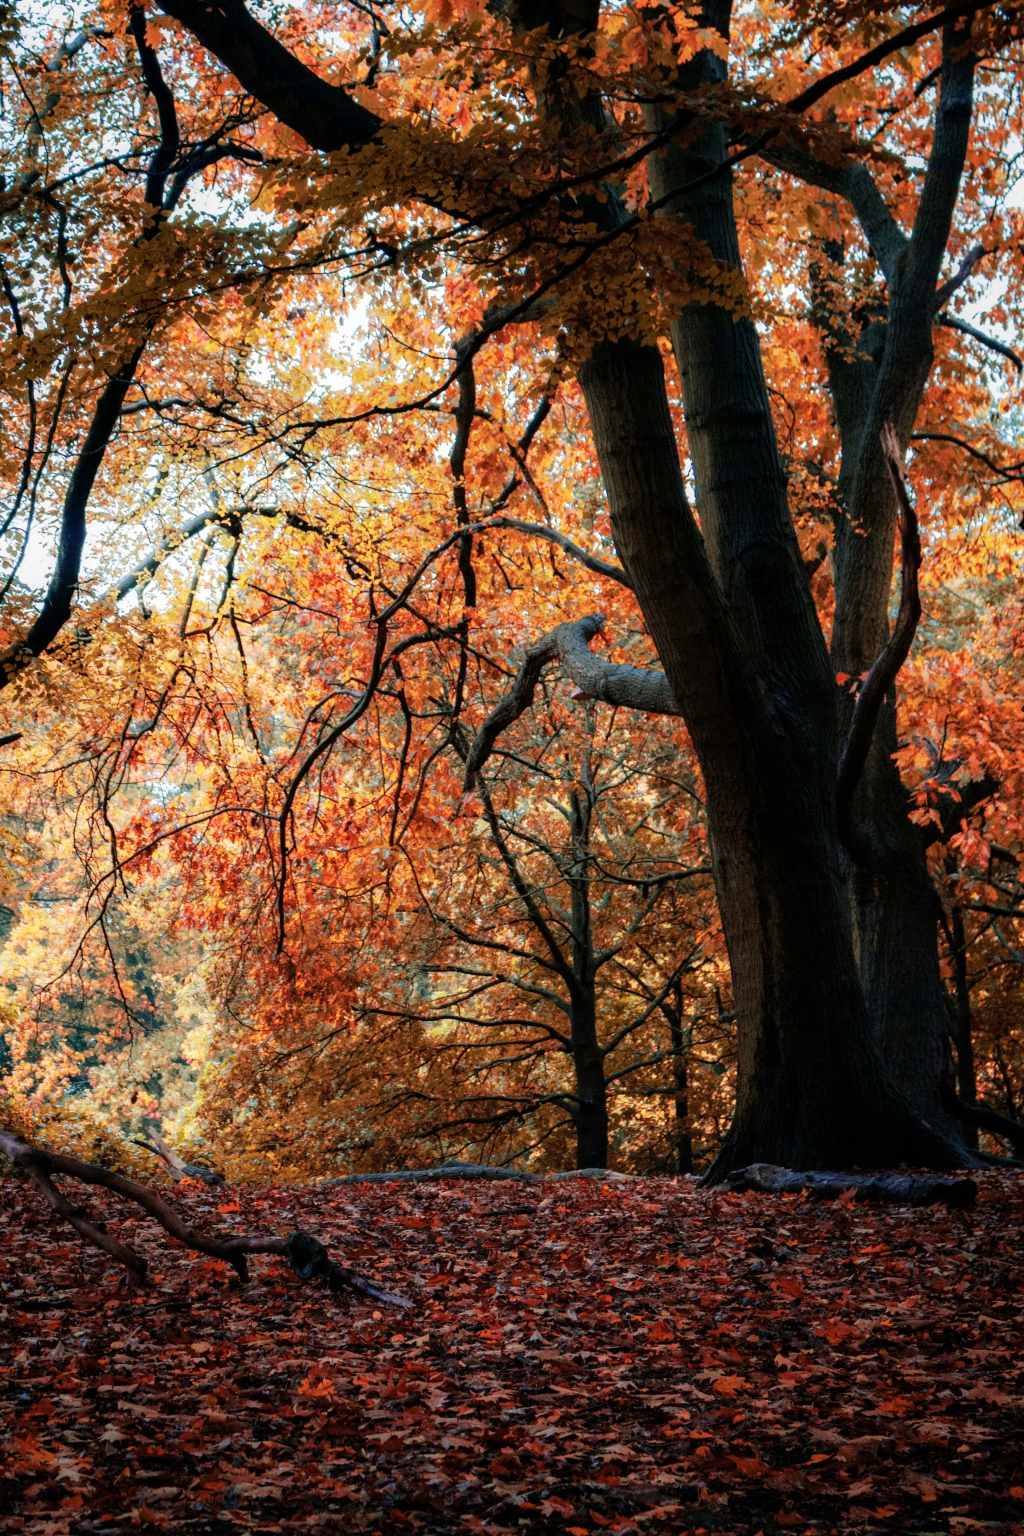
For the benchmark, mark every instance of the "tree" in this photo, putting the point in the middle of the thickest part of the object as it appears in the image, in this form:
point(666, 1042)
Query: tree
point(567, 928)
point(611, 123)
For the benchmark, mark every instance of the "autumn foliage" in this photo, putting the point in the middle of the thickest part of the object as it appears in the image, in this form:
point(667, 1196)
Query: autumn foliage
point(635, 1356)
point(349, 479)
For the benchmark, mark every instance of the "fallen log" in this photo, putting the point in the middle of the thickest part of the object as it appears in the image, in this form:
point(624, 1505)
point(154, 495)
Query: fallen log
point(450, 1170)
point(899, 1188)
point(457, 1170)
point(175, 1165)
point(41, 1166)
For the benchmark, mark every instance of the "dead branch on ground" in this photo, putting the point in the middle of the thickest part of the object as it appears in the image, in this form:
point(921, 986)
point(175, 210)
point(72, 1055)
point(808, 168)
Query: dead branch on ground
point(42, 1166)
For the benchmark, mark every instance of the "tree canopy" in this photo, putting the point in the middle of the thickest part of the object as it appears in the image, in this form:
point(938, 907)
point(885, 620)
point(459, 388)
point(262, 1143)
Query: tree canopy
point(511, 623)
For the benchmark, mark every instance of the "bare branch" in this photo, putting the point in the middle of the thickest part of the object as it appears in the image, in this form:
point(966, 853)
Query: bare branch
point(952, 323)
point(41, 1166)
point(1008, 471)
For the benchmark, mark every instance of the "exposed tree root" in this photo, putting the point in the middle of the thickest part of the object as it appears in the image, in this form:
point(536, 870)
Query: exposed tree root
point(902, 1189)
point(983, 1118)
point(305, 1255)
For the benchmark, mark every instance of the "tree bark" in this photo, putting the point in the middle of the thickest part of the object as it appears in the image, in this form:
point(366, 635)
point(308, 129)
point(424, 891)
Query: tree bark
point(895, 907)
point(811, 1087)
point(591, 1109)
point(904, 1190)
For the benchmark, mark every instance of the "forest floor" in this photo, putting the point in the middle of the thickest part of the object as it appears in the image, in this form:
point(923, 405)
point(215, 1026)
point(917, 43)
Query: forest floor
point(634, 1356)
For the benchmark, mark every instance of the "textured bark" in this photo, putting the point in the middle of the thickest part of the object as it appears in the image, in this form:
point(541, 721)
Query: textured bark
point(881, 379)
point(902, 1189)
point(811, 1086)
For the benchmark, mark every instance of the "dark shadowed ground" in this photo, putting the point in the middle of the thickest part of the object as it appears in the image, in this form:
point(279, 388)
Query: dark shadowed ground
point(637, 1356)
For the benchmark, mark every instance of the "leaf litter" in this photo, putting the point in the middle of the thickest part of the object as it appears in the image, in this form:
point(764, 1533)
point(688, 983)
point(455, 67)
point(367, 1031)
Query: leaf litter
point(637, 1356)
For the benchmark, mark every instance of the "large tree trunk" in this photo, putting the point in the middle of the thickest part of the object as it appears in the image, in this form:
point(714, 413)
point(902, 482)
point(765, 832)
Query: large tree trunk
point(812, 1091)
point(733, 448)
point(591, 1113)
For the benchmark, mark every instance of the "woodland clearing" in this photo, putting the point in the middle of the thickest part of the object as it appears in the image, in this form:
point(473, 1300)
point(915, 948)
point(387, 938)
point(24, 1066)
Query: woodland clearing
point(639, 1355)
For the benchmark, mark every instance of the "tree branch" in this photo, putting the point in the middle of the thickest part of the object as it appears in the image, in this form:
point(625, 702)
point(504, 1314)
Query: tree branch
point(946, 290)
point(1009, 471)
point(541, 531)
point(981, 1116)
point(63, 584)
point(323, 114)
point(41, 1167)
point(568, 644)
point(952, 323)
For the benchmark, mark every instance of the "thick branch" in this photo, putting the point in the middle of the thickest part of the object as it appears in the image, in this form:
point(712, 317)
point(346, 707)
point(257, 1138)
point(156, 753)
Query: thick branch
point(883, 50)
point(323, 114)
point(465, 412)
point(569, 644)
point(946, 290)
point(856, 184)
point(175, 1165)
point(60, 593)
point(170, 137)
point(883, 674)
point(978, 1115)
point(941, 188)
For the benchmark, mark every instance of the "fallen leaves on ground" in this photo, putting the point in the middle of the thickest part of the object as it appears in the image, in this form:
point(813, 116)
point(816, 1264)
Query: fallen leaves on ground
point(636, 1356)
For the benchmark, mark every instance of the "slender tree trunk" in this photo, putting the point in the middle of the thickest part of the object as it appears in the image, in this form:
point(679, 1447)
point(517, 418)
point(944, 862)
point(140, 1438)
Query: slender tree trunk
point(963, 1034)
point(588, 1058)
point(683, 1139)
point(591, 1115)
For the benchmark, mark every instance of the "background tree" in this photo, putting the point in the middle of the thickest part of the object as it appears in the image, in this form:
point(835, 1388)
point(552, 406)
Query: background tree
point(561, 936)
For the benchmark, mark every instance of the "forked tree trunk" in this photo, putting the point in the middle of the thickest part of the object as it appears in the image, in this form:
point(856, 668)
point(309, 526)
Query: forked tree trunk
point(733, 448)
point(812, 1090)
